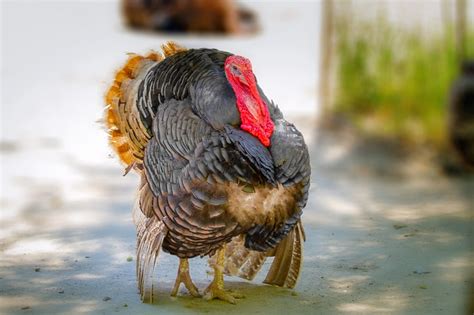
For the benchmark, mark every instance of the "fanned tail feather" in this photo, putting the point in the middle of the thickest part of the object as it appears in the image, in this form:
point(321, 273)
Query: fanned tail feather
point(171, 48)
point(127, 135)
point(286, 266)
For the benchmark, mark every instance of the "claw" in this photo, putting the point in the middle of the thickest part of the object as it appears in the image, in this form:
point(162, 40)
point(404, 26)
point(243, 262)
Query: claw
point(184, 277)
point(214, 292)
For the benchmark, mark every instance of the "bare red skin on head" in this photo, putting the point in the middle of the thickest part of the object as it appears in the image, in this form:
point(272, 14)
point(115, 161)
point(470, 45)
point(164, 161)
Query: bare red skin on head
point(253, 111)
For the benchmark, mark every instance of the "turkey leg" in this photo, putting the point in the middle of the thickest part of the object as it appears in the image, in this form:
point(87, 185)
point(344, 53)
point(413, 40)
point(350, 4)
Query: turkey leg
point(184, 277)
point(216, 289)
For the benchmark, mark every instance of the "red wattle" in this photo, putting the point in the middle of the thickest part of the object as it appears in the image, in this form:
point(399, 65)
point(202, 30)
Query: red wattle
point(254, 113)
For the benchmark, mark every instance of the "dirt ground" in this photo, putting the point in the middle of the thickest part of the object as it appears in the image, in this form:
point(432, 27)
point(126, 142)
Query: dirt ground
point(384, 235)
point(379, 240)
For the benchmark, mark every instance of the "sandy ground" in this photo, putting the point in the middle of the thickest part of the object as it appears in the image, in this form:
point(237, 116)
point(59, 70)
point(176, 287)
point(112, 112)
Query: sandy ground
point(383, 236)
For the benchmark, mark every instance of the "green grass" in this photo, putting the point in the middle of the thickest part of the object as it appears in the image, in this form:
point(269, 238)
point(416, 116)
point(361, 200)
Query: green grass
point(396, 84)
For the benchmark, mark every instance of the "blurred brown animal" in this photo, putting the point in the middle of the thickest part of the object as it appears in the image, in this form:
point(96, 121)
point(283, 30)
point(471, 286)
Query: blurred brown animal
point(202, 16)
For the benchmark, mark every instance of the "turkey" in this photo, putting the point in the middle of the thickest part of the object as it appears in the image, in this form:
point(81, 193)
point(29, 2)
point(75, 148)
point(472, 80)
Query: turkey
point(223, 174)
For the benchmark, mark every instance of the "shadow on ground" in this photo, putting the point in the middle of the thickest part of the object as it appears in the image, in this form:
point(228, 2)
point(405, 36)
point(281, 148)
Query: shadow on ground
point(376, 243)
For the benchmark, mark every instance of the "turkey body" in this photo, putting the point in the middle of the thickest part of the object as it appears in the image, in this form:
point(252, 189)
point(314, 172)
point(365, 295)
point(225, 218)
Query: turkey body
point(205, 182)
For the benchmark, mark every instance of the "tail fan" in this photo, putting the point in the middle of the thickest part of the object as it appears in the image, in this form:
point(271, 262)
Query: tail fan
point(127, 134)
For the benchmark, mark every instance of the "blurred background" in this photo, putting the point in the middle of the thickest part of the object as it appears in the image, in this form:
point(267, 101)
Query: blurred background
point(383, 92)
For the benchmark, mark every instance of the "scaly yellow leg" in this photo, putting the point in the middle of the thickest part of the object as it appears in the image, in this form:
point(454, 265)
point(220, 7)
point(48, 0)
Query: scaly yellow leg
point(184, 277)
point(216, 289)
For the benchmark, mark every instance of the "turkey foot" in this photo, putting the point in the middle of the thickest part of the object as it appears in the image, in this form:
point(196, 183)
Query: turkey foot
point(184, 277)
point(216, 289)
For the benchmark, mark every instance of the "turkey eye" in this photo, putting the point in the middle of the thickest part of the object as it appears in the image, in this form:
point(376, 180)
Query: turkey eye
point(235, 70)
